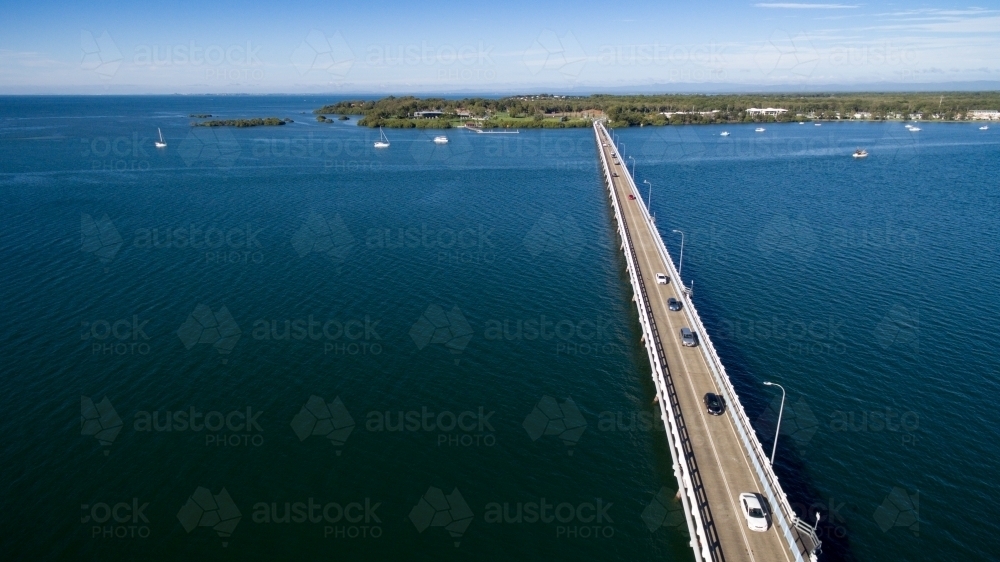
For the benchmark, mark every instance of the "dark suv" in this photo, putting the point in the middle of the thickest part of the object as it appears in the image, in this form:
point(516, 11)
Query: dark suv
point(715, 404)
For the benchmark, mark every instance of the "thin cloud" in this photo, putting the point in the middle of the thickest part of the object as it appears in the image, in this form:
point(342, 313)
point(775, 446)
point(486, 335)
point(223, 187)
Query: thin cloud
point(795, 6)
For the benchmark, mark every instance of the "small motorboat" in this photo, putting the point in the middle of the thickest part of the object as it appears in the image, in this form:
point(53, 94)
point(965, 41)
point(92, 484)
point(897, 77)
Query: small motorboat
point(860, 153)
point(160, 143)
point(802, 122)
point(760, 130)
point(441, 139)
point(819, 124)
point(984, 128)
point(914, 129)
point(724, 134)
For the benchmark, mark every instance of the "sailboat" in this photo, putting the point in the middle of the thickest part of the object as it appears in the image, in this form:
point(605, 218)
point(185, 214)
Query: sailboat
point(383, 141)
point(160, 143)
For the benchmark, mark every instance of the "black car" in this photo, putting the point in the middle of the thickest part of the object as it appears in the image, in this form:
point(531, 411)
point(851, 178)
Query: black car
point(715, 404)
point(673, 304)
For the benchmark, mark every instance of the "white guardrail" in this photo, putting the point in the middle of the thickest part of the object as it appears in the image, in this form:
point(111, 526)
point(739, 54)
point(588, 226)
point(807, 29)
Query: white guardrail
point(798, 542)
point(681, 460)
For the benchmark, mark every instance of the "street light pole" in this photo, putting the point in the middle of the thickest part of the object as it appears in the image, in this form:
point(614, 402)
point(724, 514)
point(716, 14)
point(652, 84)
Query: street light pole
point(633, 167)
point(649, 198)
point(680, 266)
point(780, 411)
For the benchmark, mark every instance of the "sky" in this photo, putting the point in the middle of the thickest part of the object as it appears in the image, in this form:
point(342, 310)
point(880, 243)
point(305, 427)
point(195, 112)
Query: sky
point(394, 47)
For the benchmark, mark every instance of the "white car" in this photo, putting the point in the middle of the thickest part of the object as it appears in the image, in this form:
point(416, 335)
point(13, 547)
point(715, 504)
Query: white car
point(662, 278)
point(754, 512)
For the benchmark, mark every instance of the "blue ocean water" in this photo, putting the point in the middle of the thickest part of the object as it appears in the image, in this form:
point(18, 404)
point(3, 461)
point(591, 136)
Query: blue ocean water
point(309, 347)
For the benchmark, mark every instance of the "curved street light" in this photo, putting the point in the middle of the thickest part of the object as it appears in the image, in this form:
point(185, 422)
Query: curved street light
point(780, 411)
point(680, 267)
point(633, 167)
point(649, 198)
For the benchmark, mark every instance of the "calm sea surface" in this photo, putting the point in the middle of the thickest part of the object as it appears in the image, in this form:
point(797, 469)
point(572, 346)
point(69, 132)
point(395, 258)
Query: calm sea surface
point(280, 343)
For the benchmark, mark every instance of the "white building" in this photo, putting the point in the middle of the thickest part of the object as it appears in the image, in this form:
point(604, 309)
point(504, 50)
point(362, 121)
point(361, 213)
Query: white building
point(984, 114)
point(770, 111)
point(863, 115)
point(670, 114)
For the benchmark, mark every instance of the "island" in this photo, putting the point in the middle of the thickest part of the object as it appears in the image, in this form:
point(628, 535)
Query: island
point(255, 122)
point(558, 111)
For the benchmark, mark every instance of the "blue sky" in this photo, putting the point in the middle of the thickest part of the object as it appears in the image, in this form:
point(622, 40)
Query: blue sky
point(404, 47)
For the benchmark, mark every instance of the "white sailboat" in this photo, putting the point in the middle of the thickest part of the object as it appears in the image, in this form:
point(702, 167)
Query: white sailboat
point(383, 141)
point(160, 143)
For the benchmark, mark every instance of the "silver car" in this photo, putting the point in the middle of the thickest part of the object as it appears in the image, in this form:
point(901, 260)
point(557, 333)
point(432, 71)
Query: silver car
point(688, 338)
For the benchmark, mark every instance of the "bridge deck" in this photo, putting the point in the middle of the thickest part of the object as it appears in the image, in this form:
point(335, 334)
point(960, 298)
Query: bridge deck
point(721, 468)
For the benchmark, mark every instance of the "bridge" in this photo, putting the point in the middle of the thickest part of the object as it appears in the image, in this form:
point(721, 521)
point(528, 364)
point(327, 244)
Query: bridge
point(715, 458)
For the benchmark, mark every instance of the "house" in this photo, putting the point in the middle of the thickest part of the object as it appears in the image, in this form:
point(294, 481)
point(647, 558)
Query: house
point(433, 113)
point(984, 115)
point(863, 115)
point(769, 111)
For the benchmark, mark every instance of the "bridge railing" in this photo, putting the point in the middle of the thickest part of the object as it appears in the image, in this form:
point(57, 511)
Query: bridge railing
point(803, 539)
point(665, 393)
